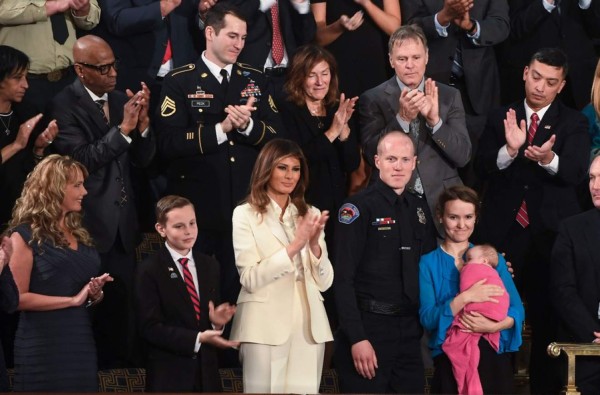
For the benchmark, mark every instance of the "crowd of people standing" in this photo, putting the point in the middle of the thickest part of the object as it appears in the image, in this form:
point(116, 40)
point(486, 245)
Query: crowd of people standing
point(305, 190)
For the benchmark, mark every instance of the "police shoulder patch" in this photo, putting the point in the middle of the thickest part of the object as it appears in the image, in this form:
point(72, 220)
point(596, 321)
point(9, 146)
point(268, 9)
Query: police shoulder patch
point(348, 213)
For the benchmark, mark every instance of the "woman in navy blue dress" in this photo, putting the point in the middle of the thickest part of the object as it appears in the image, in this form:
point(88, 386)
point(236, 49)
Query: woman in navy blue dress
point(53, 261)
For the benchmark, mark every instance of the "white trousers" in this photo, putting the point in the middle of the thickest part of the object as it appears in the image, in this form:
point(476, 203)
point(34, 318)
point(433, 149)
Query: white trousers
point(292, 367)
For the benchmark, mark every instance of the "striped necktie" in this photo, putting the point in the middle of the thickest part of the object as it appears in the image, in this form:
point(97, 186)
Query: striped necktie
point(522, 216)
point(189, 285)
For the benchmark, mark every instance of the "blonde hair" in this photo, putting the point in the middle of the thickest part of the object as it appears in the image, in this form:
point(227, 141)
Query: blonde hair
point(40, 204)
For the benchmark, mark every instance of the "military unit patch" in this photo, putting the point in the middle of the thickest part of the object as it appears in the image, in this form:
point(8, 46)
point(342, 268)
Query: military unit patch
point(167, 108)
point(348, 213)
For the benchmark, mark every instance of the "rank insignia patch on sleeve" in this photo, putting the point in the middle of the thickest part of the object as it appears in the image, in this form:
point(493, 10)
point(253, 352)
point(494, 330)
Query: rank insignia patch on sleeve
point(348, 213)
point(167, 108)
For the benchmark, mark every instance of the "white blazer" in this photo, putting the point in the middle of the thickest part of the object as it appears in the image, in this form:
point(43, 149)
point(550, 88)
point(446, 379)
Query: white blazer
point(267, 275)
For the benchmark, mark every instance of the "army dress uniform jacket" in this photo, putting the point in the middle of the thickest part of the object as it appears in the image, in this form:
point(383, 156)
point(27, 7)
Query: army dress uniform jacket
point(213, 176)
point(378, 247)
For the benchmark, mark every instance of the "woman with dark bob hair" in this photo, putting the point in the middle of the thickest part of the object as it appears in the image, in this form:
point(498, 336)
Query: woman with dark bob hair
point(439, 277)
point(316, 117)
point(282, 260)
point(18, 154)
point(53, 261)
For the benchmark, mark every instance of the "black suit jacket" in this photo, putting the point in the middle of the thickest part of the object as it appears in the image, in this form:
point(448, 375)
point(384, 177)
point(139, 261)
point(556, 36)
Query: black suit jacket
point(479, 61)
point(213, 176)
point(575, 277)
point(138, 35)
point(108, 157)
point(532, 28)
point(575, 289)
point(297, 29)
point(550, 198)
point(168, 325)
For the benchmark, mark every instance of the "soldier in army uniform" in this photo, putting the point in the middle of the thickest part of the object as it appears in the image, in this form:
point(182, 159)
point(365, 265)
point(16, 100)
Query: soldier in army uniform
point(381, 233)
point(214, 117)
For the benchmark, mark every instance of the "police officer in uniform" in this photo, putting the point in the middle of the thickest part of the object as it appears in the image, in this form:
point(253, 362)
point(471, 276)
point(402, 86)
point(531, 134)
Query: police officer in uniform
point(214, 117)
point(381, 233)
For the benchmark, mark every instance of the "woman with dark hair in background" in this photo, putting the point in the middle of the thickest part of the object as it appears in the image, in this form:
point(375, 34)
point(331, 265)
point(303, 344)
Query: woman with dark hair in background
point(316, 117)
point(282, 260)
point(53, 261)
point(18, 155)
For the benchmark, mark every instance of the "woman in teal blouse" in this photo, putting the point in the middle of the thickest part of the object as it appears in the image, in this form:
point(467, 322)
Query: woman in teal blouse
point(439, 271)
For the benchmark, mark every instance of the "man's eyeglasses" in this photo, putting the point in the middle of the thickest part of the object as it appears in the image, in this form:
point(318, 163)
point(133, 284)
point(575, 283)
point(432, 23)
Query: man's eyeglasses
point(103, 69)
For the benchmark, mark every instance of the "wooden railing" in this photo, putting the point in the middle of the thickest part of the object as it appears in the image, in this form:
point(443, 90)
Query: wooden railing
point(573, 350)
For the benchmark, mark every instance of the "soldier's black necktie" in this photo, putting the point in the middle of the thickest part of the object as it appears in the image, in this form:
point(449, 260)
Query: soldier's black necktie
point(224, 81)
point(59, 28)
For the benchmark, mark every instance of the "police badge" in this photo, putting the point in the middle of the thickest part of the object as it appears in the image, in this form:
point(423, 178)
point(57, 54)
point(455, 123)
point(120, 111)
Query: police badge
point(421, 215)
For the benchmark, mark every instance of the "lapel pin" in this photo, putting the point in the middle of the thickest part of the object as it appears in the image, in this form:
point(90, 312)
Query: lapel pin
point(173, 275)
point(203, 75)
point(171, 269)
point(547, 127)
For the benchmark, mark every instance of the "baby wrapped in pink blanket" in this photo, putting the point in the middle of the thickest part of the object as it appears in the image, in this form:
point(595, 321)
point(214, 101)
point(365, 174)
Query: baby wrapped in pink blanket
point(460, 346)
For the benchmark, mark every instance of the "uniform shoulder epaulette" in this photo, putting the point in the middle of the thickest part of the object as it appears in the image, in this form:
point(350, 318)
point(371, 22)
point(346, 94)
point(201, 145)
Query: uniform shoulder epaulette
point(183, 69)
point(249, 67)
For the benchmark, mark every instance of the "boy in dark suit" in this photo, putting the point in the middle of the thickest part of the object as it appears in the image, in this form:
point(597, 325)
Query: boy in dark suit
point(177, 319)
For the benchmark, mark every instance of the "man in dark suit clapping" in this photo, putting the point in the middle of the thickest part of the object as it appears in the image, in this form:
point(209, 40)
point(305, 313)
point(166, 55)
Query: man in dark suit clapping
point(532, 156)
point(109, 133)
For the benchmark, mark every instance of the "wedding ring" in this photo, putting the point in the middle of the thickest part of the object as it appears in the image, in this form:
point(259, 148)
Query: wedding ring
point(49, 141)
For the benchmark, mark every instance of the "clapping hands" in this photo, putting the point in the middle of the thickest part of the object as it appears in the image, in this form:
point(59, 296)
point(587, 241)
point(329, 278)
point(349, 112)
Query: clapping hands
point(339, 127)
point(135, 111)
point(308, 231)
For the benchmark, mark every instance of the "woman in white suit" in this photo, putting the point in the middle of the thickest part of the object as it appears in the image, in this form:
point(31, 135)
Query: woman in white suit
point(282, 260)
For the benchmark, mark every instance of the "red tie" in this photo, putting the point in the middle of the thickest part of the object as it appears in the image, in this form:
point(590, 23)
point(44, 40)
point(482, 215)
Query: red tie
point(277, 49)
point(189, 284)
point(522, 216)
point(168, 54)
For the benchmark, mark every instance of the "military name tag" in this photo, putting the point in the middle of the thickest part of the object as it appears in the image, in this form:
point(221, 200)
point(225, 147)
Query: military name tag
point(201, 103)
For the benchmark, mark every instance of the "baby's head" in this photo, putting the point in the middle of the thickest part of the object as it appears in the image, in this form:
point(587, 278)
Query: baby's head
point(483, 253)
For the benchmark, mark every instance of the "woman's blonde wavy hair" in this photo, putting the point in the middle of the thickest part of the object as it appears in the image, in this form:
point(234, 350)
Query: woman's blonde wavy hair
point(40, 204)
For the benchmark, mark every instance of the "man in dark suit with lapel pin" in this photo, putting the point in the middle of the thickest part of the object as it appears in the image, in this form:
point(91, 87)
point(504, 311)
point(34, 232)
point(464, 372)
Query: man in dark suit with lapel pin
point(532, 156)
point(215, 116)
point(176, 293)
point(109, 133)
point(430, 113)
point(575, 284)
